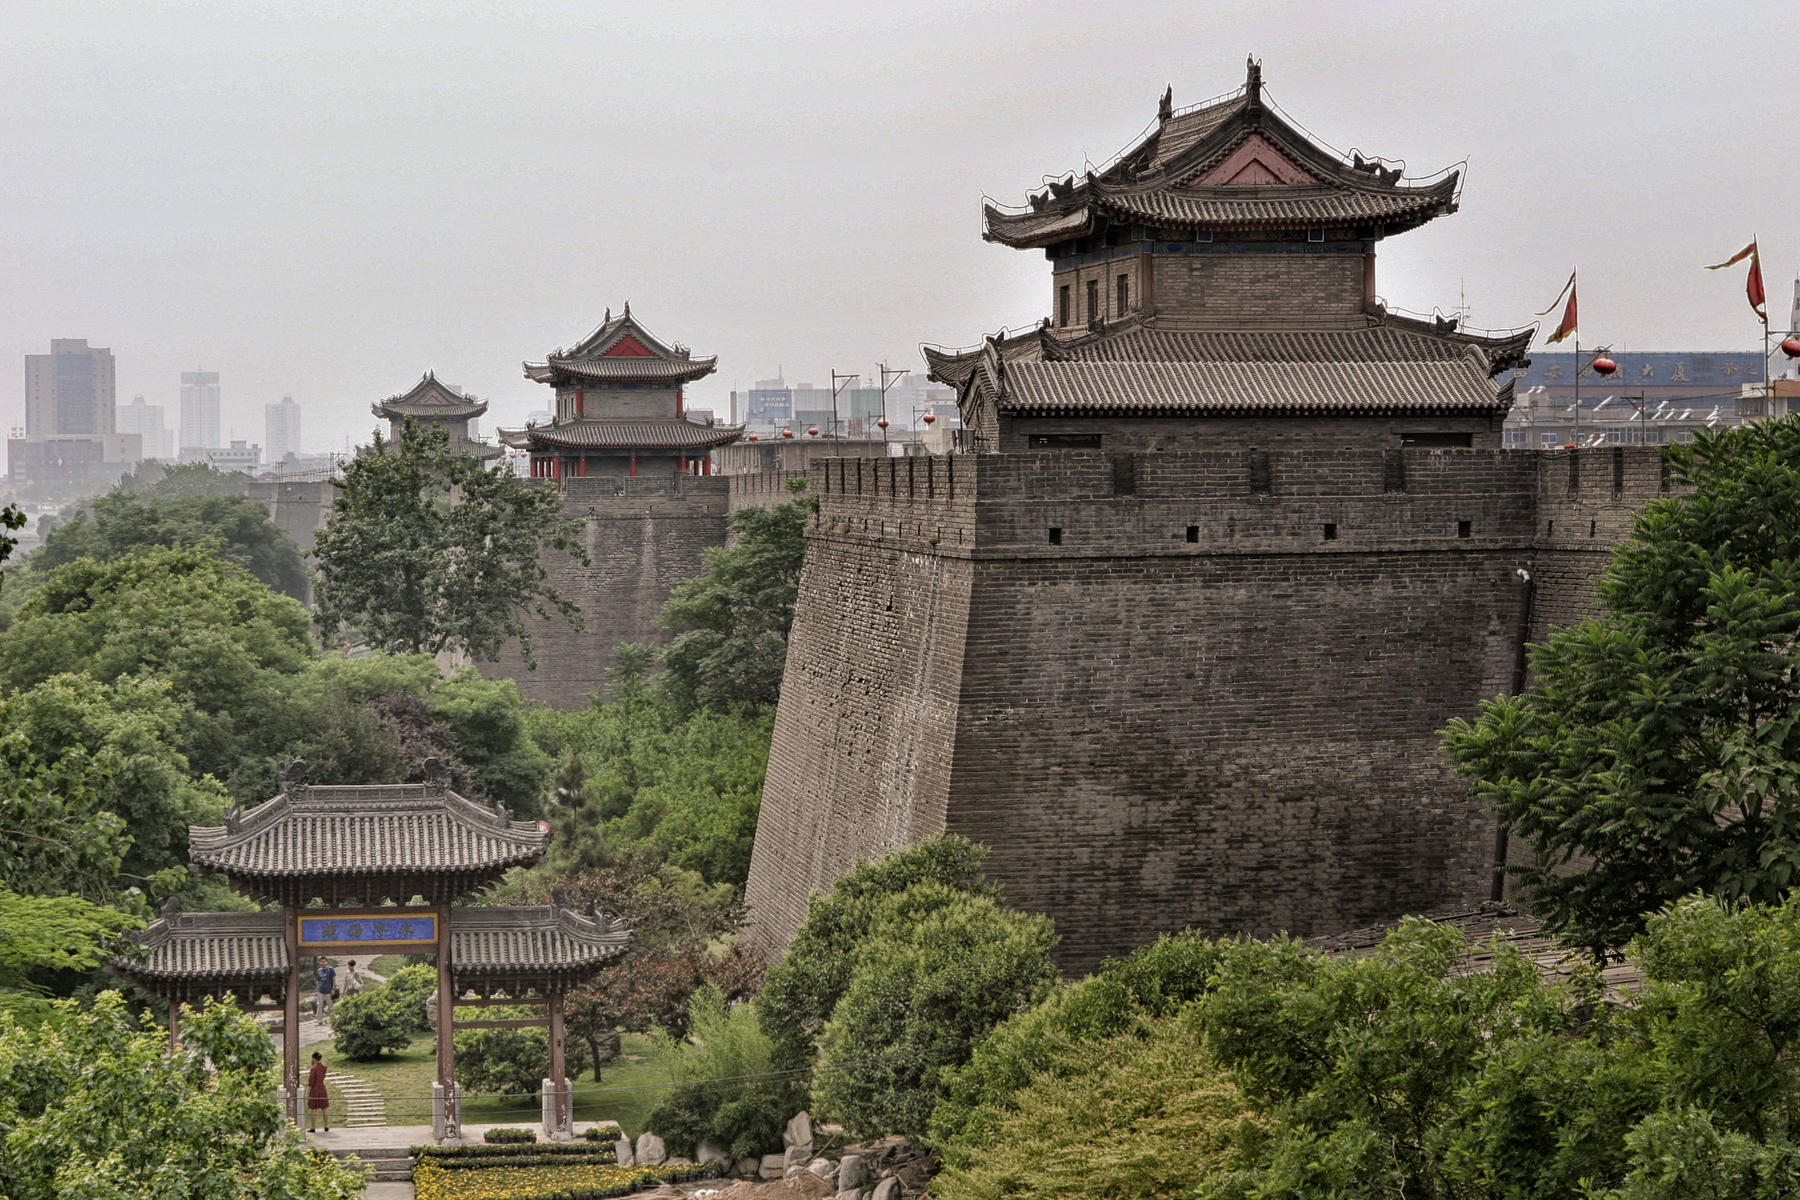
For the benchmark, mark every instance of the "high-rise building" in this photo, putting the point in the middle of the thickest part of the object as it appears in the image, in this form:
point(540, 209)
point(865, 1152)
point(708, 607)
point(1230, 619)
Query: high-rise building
point(199, 412)
point(70, 390)
point(147, 421)
point(281, 429)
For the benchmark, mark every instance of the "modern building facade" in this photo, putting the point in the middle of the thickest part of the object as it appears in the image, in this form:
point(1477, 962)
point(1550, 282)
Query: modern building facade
point(199, 413)
point(149, 423)
point(1654, 397)
point(281, 429)
point(71, 390)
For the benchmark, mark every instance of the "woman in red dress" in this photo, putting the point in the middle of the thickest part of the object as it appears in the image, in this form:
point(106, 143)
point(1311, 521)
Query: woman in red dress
point(317, 1099)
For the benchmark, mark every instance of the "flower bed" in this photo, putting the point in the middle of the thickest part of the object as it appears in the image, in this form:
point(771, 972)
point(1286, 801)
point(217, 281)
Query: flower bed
point(548, 1181)
point(477, 1154)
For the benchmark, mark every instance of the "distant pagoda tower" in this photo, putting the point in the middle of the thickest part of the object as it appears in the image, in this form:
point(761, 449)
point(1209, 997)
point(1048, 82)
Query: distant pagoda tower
point(434, 402)
point(619, 408)
point(1218, 282)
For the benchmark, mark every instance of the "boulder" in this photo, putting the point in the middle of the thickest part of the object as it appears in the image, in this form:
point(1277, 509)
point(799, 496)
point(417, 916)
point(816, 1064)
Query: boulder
point(712, 1152)
point(824, 1168)
point(853, 1172)
point(799, 1131)
point(853, 1194)
point(622, 1152)
point(650, 1150)
point(773, 1166)
point(749, 1167)
point(797, 1156)
point(887, 1189)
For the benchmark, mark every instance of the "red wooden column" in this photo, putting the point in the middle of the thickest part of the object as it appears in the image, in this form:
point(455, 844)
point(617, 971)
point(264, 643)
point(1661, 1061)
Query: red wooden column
point(634, 462)
point(446, 1039)
point(290, 1018)
point(174, 1025)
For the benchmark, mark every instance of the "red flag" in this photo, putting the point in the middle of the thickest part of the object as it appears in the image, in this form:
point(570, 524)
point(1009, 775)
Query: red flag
point(1753, 286)
point(1567, 325)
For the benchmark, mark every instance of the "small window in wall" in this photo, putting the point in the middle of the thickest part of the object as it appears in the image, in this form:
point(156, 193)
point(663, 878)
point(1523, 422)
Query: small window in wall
point(1331, 531)
point(1427, 440)
point(1122, 294)
point(1063, 441)
point(1056, 535)
point(1062, 305)
point(1093, 300)
point(1463, 529)
point(1315, 235)
point(1193, 533)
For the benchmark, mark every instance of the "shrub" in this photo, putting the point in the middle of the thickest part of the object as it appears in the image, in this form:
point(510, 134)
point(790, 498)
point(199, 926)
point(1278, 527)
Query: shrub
point(723, 1092)
point(509, 1133)
point(803, 988)
point(1155, 981)
point(410, 989)
point(507, 1062)
point(367, 1025)
point(942, 969)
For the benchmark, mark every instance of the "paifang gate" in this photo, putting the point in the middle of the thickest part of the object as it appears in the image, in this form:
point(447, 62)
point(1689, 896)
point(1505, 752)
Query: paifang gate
point(377, 870)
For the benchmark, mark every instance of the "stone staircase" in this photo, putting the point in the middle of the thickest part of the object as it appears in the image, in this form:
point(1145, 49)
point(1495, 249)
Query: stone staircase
point(386, 1164)
point(363, 1105)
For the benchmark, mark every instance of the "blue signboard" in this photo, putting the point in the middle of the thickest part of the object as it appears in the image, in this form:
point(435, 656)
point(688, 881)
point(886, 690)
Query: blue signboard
point(1645, 370)
point(370, 927)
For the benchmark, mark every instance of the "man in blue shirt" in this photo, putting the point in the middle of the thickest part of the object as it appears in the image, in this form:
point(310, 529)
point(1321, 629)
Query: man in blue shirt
point(325, 978)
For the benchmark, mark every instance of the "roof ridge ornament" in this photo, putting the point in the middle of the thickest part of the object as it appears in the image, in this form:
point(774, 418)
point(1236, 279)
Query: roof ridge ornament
point(1253, 81)
point(1166, 108)
point(437, 774)
point(293, 782)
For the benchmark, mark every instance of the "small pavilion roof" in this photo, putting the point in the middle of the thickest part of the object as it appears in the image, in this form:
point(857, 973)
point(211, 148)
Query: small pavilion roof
point(432, 399)
point(623, 433)
point(186, 956)
point(1385, 366)
point(1229, 166)
point(366, 843)
point(621, 351)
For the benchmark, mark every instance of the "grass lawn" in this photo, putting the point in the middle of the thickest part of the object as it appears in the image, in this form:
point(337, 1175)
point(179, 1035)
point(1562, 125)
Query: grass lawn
point(627, 1091)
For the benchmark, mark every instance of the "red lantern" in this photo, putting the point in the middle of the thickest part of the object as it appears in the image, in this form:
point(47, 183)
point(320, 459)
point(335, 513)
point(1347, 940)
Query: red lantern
point(1790, 346)
point(1604, 366)
point(812, 431)
point(787, 433)
point(753, 437)
point(882, 422)
point(929, 418)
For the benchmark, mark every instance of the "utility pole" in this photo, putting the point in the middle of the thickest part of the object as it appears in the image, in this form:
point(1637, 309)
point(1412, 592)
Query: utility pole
point(838, 383)
point(887, 383)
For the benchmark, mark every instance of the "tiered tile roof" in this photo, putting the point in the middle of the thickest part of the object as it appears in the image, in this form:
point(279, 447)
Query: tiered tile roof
point(1387, 366)
point(1229, 167)
point(624, 433)
point(430, 398)
point(187, 956)
point(369, 844)
point(621, 350)
point(542, 948)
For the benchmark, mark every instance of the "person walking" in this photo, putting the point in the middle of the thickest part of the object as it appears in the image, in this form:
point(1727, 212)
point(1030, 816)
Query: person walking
point(352, 981)
point(318, 1100)
point(325, 979)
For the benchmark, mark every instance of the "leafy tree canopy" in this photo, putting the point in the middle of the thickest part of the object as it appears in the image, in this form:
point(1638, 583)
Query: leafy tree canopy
point(728, 627)
point(940, 970)
point(427, 550)
point(120, 522)
point(222, 642)
point(725, 1088)
point(96, 1106)
point(48, 936)
point(1657, 751)
point(804, 988)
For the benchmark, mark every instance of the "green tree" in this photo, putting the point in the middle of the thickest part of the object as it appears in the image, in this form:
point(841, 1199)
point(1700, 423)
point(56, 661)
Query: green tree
point(120, 522)
point(803, 989)
point(1657, 751)
point(941, 969)
point(11, 521)
point(367, 1024)
point(427, 550)
point(728, 627)
point(95, 1106)
point(50, 935)
point(222, 642)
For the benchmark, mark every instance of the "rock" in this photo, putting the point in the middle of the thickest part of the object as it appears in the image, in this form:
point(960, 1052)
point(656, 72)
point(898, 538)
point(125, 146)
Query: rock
point(799, 1131)
point(887, 1189)
point(650, 1150)
point(853, 1173)
point(797, 1156)
point(824, 1168)
point(773, 1166)
point(749, 1166)
point(676, 1160)
point(622, 1152)
point(712, 1152)
point(853, 1194)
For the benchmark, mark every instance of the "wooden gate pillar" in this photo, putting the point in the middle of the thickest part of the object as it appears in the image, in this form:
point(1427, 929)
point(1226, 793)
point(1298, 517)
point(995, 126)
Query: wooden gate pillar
point(290, 1018)
point(446, 1036)
point(564, 1110)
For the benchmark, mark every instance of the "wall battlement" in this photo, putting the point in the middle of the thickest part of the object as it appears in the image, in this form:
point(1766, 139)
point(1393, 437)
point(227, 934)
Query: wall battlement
point(1194, 687)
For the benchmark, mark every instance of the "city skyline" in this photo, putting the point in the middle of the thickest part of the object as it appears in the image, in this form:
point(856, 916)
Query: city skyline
point(805, 191)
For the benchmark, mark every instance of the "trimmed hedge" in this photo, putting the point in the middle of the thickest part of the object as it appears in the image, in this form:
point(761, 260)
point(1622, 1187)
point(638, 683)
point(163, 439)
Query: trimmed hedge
point(483, 1153)
point(509, 1135)
point(547, 1181)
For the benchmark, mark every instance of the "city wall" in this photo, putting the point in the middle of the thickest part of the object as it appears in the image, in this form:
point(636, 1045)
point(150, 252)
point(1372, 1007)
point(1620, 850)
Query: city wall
point(1187, 688)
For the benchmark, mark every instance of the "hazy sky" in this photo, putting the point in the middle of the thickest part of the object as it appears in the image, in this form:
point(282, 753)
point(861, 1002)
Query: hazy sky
point(326, 199)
